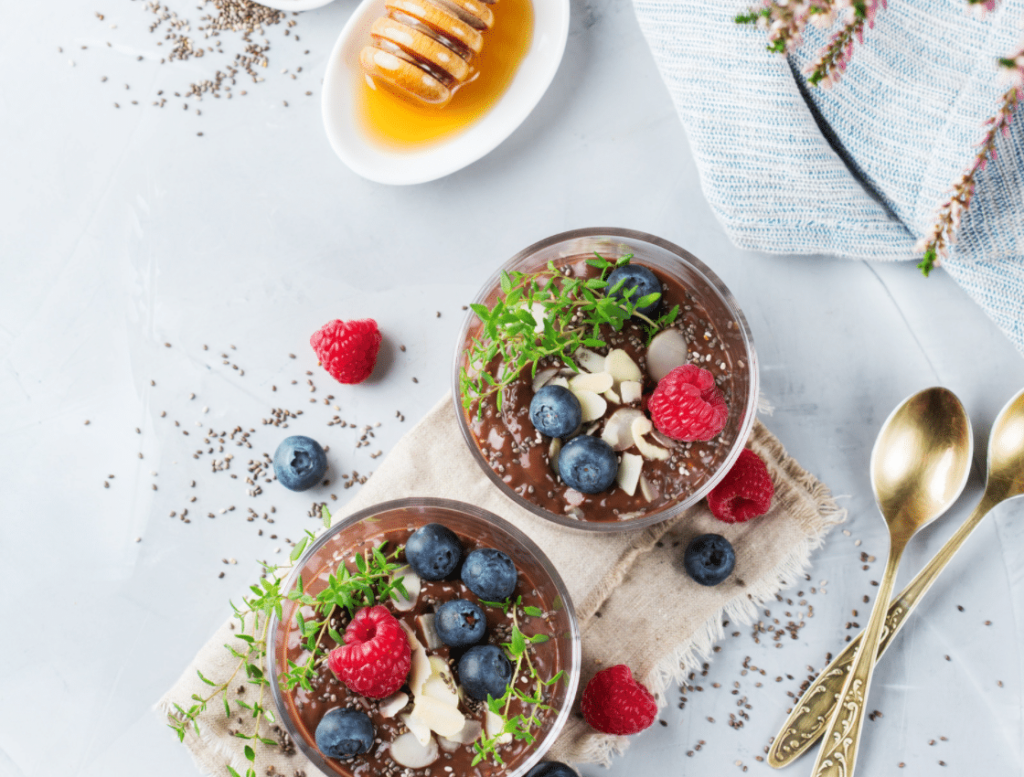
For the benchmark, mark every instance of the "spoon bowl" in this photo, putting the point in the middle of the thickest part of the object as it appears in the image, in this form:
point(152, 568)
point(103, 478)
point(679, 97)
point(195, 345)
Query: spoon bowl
point(1006, 452)
point(919, 466)
point(420, 164)
point(921, 460)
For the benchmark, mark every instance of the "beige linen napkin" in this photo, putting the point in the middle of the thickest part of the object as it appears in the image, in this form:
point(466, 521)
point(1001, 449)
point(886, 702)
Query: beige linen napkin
point(634, 601)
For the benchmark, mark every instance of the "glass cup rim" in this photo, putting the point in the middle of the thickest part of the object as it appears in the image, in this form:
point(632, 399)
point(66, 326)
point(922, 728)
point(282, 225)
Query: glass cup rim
point(717, 286)
point(576, 659)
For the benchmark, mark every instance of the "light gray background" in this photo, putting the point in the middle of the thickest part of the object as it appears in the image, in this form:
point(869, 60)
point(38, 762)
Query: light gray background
point(123, 230)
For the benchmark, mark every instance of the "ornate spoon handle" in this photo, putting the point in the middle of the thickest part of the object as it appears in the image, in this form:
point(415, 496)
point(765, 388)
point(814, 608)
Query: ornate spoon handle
point(812, 713)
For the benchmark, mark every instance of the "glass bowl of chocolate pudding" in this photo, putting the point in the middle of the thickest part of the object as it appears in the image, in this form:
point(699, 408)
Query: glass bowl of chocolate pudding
point(522, 463)
point(545, 609)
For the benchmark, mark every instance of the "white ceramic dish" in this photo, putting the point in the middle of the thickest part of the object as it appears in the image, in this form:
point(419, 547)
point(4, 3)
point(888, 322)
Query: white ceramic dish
point(295, 5)
point(376, 163)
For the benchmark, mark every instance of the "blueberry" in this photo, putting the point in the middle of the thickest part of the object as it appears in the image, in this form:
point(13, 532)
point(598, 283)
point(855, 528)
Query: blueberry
point(551, 769)
point(640, 278)
point(433, 551)
point(490, 574)
point(588, 464)
point(709, 559)
point(555, 411)
point(343, 733)
point(299, 463)
point(460, 623)
point(484, 670)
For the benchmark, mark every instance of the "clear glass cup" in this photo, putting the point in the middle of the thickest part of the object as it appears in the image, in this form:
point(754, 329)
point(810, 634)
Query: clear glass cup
point(365, 527)
point(668, 260)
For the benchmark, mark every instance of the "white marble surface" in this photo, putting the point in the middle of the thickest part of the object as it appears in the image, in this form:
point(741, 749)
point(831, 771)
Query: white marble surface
point(123, 230)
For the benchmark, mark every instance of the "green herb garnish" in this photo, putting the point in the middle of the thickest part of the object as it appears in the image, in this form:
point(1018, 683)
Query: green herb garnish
point(520, 726)
point(575, 309)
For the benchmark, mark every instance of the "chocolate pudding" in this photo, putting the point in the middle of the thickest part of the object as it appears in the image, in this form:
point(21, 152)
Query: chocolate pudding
point(305, 708)
point(672, 471)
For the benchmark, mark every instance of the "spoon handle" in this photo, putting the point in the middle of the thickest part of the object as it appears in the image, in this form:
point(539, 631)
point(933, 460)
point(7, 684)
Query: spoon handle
point(838, 754)
point(814, 709)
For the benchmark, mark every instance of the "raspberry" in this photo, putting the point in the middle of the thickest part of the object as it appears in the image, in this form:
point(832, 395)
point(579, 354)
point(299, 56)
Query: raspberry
point(376, 657)
point(347, 349)
point(615, 703)
point(687, 405)
point(745, 492)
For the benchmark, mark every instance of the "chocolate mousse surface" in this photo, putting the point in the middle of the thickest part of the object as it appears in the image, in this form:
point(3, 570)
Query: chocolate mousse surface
point(305, 708)
point(521, 456)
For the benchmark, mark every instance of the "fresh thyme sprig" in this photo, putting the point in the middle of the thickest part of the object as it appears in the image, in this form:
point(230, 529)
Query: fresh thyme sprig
point(574, 310)
point(520, 726)
point(374, 580)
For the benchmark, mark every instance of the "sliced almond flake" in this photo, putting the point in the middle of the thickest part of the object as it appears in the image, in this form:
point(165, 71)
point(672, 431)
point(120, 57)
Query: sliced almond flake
point(393, 704)
point(593, 405)
point(559, 381)
point(574, 497)
point(419, 729)
point(598, 382)
point(429, 631)
point(666, 352)
point(441, 684)
point(412, 583)
point(443, 718)
point(631, 391)
point(642, 426)
point(407, 750)
point(663, 439)
point(494, 725)
point(554, 449)
point(612, 397)
point(574, 512)
point(539, 313)
point(470, 733)
point(618, 429)
point(629, 472)
point(421, 669)
point(542, 378)
point(648, 489)
point(589, 360)
point(621, 366)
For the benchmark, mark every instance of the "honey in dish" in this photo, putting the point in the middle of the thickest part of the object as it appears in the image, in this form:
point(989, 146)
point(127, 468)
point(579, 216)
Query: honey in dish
point(400, 122)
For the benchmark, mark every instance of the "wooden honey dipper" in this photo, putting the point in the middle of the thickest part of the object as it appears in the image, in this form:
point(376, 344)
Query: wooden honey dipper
point(424, 49)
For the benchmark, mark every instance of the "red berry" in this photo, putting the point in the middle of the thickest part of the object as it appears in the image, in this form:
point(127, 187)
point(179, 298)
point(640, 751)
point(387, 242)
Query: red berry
point(376, 657)
point(687, 405)
point(745, 492)
point(615, 703)
point(347, 349)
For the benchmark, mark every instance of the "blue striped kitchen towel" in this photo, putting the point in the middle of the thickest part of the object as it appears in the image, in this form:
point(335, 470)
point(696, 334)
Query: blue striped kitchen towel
point(858, 170)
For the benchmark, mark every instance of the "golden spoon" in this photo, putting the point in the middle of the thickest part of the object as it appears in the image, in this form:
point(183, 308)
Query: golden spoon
point(1005, 480)
point(919, 466)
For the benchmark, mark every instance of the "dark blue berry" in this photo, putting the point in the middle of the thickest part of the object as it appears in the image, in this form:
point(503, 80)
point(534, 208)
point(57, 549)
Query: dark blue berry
point(551, 769)
point(299, 463)
point(490, 574)
point(460, 623)
point(555, 411)
point(433, 551)
point(484, 670)
point(639, 278)
point(588, 464)
point(709, 559)
point(343, 733)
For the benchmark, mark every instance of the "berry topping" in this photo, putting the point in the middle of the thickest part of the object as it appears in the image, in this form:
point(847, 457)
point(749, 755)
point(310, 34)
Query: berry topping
point(376, 657)
point(433, 551)
point(460, 623)
point(299, 463)
point(709, 559)
point(588, 464)
point(343, 733)
point(687, 405)
point(490, 574)
point(615, 703)
point(745, 492)
point(555, 411)
point(638, 283)
point(347, 349)
point(484, 671)
point(552, 769)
